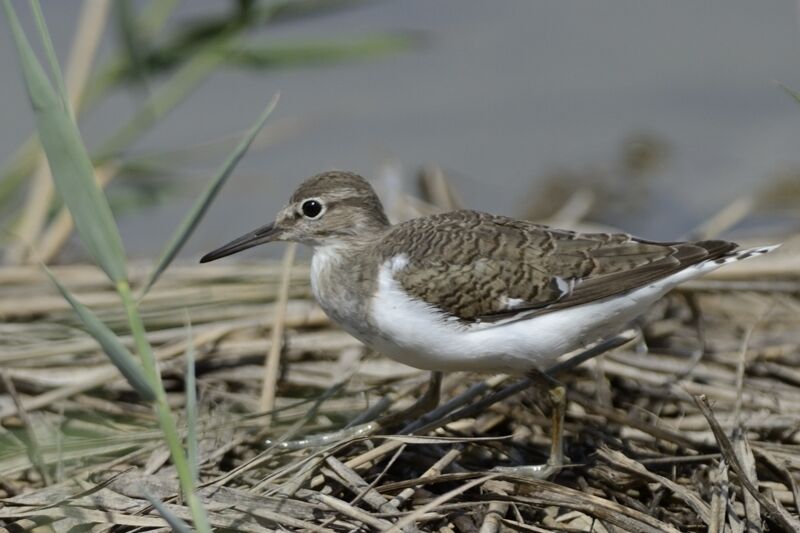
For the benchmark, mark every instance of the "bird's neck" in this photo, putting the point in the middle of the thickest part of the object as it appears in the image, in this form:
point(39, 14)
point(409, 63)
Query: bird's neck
point(363, 228)
point(340, 260)
point(340, 284)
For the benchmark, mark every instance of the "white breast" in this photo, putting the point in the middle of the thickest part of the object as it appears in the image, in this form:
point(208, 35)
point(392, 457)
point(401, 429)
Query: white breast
point(324, 258)
point(334, 295)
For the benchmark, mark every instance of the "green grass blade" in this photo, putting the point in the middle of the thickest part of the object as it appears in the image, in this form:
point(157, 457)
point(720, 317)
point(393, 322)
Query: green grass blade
point(154, 16)
point(192, 454)
point(174, 521)
point(40, 91)
point(133, 43)
point(200, 207)
point(50, 52)
point(791, 92)
point(114, 349)
point(163, 412)
point(271, 54)
point(165, 98)
point(71, 167)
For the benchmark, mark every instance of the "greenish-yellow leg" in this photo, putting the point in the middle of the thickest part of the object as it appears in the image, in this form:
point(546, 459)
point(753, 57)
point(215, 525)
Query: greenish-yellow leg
point(555, 397)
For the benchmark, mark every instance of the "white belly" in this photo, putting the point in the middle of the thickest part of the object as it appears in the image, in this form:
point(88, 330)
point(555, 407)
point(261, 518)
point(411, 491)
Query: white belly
point(421, 336)
point(417, 335)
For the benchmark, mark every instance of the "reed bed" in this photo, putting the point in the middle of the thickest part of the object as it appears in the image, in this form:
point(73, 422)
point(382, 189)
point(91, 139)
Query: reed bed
point(695, 427)
point(147, 397)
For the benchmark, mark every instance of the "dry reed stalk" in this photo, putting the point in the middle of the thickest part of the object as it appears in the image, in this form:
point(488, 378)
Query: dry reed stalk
point(434, 471)
point(497, 510)
point(110, 374)
point(772, 508)
point(355, 513)
point(726, 218)
point(272, 362)
point(33, 440)
point(437, 502)
point(439, 190)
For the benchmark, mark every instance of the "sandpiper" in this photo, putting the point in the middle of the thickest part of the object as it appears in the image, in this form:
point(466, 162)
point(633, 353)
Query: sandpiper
point(470, 291)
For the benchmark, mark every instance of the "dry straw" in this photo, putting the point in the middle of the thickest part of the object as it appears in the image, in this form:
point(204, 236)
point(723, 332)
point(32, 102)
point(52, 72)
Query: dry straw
point(681, 432)
point(647, 457)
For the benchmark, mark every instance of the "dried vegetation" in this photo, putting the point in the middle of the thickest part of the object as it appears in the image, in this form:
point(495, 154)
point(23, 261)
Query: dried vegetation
point(694, 427)
point(662, 435)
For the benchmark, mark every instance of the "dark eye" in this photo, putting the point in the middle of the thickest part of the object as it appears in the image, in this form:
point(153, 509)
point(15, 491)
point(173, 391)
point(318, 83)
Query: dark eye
point(311, 208)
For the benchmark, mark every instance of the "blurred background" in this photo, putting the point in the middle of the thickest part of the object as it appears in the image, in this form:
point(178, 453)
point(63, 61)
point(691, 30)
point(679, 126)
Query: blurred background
point(652, 117)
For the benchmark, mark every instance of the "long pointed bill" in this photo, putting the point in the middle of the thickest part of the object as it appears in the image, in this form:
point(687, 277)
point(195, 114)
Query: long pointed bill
point(254, 238)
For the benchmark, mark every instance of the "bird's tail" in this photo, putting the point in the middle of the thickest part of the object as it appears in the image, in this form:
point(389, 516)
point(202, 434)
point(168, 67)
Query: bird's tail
point(740, 255)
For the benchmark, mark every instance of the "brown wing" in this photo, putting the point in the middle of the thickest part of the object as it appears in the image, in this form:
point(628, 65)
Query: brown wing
point(477, 266)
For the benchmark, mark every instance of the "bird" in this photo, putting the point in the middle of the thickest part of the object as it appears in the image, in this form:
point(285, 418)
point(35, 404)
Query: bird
point(471, 291)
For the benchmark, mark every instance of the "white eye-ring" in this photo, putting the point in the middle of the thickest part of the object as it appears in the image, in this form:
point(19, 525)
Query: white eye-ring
point(313, 208)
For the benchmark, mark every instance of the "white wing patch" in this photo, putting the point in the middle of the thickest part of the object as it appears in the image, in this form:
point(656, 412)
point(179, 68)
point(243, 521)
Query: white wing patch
point(564, 286)
point(511, 303)
point(398, 262)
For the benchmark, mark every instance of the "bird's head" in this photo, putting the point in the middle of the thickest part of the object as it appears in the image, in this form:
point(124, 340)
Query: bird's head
point(327, 209)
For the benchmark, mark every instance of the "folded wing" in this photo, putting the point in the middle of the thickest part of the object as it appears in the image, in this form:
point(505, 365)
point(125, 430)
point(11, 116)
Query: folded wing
point(481, 267)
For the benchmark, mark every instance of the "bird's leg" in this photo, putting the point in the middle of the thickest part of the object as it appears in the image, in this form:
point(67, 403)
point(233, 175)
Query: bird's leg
point(554, 395)
point(365, 427)
point(555, 398)
point(426, 402)
point(433, 394)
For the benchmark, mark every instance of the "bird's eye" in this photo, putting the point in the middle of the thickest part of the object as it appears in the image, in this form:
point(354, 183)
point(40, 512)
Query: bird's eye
point(311, 208)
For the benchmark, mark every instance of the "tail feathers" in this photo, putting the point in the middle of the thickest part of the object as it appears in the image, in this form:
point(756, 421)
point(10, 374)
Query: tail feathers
point(739, 255)
point(716, 249)
point(712, 264)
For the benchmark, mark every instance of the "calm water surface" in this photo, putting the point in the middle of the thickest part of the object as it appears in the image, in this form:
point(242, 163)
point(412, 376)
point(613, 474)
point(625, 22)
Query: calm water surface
point(500, 94)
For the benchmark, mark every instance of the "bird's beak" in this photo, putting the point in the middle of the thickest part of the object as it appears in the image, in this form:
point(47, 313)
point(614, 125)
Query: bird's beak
point(261, 235)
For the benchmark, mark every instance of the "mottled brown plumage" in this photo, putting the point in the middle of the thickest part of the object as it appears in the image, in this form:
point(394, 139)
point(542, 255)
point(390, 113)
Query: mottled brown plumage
point(472, 264)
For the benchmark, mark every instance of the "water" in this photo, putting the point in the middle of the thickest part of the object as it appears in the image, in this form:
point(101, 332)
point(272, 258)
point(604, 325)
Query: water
point(500, 94)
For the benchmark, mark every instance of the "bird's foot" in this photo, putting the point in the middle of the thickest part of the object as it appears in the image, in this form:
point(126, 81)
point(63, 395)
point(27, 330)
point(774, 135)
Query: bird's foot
point(326, 439)
point(542, 471)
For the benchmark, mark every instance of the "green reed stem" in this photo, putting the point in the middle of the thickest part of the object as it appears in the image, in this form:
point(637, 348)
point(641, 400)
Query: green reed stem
point(165, 418)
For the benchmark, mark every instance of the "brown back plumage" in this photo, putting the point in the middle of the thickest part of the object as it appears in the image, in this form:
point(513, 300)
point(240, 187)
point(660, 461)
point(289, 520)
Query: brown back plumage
point(484, 267)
